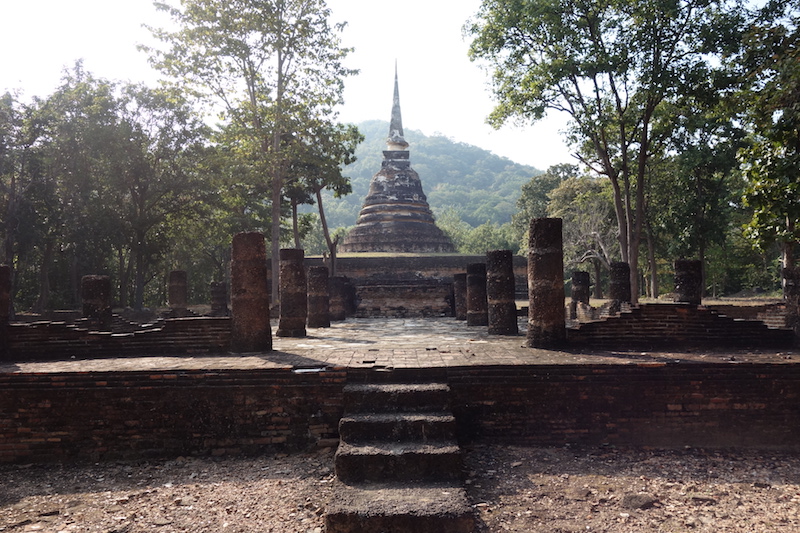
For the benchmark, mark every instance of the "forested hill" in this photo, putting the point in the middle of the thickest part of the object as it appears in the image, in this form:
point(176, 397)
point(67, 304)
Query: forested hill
point(477, 184)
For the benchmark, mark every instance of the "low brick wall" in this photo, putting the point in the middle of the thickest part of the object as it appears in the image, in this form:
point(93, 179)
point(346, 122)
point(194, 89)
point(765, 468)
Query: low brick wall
point(94, 416)
point(101, 416)
point(659, 405)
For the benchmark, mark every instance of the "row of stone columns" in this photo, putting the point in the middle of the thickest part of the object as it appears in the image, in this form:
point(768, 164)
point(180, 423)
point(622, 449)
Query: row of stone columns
point(484, 295)
point(307, 299)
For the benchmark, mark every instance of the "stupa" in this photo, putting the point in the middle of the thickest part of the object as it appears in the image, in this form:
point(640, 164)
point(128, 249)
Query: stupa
point(396, 216)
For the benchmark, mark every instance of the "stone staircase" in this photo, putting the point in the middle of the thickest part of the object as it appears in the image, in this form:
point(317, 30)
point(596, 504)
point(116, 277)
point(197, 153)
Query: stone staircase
point(398, 463)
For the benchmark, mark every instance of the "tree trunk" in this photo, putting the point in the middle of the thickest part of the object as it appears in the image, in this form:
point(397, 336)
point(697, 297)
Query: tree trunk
point(332, 244)
point(123, 278)
point(138, 295)
point(295, 229)
point(43, 301)
point(787, 262)
point(75, 278)
point(598, 287)
point(651, 260)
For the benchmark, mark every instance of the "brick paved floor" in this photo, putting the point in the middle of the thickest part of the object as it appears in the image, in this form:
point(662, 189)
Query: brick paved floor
point(402, 343)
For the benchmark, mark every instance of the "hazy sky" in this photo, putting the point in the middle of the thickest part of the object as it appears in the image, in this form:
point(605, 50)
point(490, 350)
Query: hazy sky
point(441, 91)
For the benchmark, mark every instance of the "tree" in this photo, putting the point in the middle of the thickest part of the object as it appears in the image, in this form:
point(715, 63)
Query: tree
point(490, 236)
point(701, 163)
point(26, 196)
point(155, 175)
point(78, 142)
point(535, 195)
point(326, 150)
point(272, 64)
point(771, 166)
point(609, 66)
point(586, 207)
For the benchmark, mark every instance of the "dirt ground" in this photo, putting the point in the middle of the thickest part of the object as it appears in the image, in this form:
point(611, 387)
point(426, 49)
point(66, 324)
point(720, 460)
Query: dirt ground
point(521, 489)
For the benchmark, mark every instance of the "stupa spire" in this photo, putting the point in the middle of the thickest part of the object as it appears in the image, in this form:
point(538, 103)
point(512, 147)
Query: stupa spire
point(395, 141)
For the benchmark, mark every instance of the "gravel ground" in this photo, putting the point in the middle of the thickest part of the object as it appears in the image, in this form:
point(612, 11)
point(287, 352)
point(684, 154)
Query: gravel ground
point(557, 490)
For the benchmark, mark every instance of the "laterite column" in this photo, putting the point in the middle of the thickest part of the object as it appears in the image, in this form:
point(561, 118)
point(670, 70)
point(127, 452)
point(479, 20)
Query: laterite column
point(5, 308)
point(500, 293)
point(580, 292)
point(219, 298)
point(619, 290)
point(250, 328)
point(294, 298)
point(96, 297)
point(547, 326)
point(177, 290)
point(477, 304)
point(689, 281)
point(5, 294)
point(338, 301)
point(319, 312)
point(791, 292)
point(460, 295)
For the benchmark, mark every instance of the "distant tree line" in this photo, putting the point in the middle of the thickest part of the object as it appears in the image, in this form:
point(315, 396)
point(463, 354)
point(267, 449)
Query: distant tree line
point(684, 124)
point(120, 179)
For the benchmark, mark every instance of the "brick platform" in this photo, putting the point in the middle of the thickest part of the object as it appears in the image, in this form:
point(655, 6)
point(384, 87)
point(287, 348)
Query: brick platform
point(102, 408)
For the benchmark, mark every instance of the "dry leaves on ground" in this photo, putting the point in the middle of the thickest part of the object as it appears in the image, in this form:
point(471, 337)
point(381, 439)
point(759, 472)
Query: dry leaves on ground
point(557, 490)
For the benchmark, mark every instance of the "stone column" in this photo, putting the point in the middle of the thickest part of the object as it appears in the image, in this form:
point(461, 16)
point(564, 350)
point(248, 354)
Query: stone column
point(477, 304)
point(338, 297)
point(5, 294)
point(250, 328)
point(580, 292)
point(546, 316)
point(96, 297)
point(619, 290)
point(319, 313)
point(219, 298)
point(294, 298)
point(791, 291)
point(460, 295)
point(177, 290)
point(689, 281)
point(5, 309)
point(500, 290)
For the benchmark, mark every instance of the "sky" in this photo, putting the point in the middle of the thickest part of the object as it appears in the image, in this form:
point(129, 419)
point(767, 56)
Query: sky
point(441, 91)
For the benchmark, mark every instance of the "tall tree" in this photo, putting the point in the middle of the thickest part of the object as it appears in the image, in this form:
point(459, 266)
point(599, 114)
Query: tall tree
point(271, 64)
point(701, 163)
point(534, 197)
point(27, 198)
point(772, 98)
point(155, 174)
point(587, 209)
point(79, 122)
point(609, 66)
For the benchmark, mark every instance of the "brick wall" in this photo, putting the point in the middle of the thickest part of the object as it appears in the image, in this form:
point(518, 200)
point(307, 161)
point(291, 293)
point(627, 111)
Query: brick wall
point(99, 416)
point(93, 416)
point(661, 405)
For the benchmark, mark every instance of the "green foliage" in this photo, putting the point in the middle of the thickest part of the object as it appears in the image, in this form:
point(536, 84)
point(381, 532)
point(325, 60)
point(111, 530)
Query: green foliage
point(276, 67)
point(610, 66)
point(586, 208)
point(771, 166)
point(110, 173)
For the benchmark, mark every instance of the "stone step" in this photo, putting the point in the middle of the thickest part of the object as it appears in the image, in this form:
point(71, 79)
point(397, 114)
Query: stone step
point(422, 427)
point(398, 508)
point(393, 397)
point(398, 461)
